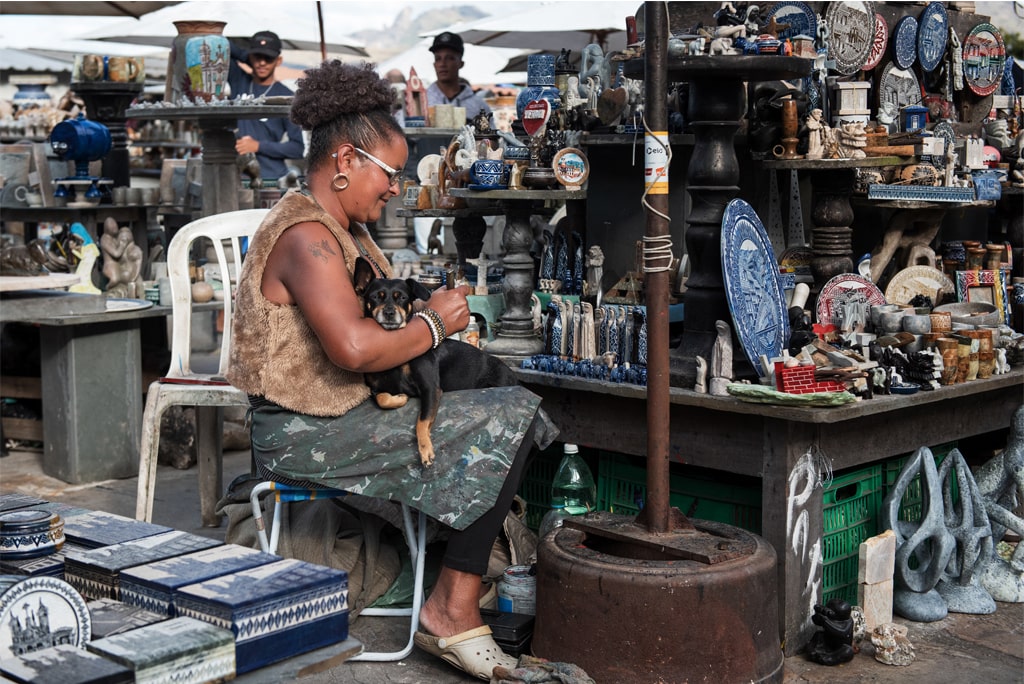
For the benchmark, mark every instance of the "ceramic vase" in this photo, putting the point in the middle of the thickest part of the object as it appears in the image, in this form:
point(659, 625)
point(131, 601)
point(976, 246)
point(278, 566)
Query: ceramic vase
point(179, 83)
point(975, 258)
point(948, 347)
point(540, 84)
point(994, 256)
point(207, 59)
point(963, 358)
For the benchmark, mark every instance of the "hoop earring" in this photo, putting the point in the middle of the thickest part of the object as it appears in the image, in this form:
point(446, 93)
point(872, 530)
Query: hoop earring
point(334, 182)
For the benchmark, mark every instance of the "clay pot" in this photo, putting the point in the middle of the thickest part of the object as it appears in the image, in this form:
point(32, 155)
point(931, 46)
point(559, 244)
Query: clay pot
point(202, 292)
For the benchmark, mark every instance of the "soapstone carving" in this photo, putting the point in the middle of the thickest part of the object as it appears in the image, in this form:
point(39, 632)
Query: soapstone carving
point(122, 261)
point(720, 371)
point(833, 644)
point(892, 646)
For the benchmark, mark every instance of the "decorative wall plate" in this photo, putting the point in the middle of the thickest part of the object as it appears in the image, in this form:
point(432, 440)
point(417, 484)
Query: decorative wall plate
point(918, 280)
point(571, 167)
point(904, 42)
point(852, 26)
point(932, 33)
point(984, 56)
point(897, 88)
point(22, 602)
point(799, 16)
point(945, 130)
point(752, 286)
point(878, 43)
point(842, 289)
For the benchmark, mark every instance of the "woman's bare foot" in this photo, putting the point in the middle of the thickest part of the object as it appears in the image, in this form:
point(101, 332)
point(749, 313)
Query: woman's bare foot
point(453, 606)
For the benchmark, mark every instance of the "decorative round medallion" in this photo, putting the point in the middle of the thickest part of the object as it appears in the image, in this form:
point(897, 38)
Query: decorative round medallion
point(571, 167)
point(904, 42)
point(932, 34)
point(984, 56)
point(844, 291)
point(798, 17)
point(40, 612)
point(897, 88)
point(918, 280)
point(752, 285)
point(852, 27)
point(879, 42)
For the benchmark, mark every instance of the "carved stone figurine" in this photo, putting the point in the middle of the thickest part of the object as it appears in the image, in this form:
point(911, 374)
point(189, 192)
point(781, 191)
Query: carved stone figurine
point(595, 271)
point(892, 646)
point(815, 135)
point(720, 372)
point(122, 261)
point(1001, 487)
point(833, 645)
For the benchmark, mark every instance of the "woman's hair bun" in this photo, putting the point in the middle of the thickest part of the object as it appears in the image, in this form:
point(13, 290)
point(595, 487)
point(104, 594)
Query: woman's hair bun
point(335, 88)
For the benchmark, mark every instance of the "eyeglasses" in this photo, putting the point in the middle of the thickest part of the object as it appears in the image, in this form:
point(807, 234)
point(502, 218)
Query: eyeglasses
point(394, 175)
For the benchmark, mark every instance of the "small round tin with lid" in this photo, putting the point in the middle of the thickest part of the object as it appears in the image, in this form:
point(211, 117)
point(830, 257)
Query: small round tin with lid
point(30, 533)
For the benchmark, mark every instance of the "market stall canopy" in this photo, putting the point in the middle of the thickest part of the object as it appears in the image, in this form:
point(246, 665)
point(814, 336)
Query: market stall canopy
point(20, 60)
point(295, 23)
point(84, 9)
point(553, 26)
point(483, 64)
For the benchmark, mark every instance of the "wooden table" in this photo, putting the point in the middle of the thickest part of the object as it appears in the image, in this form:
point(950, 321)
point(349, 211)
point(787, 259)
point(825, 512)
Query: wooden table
point(91, 381)
point(777, 444)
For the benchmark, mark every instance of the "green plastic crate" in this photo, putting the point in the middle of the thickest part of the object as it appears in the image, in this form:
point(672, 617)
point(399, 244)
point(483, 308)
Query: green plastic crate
point(535, 488)
point(910, 504)
point(622, 488)
point(851, 506)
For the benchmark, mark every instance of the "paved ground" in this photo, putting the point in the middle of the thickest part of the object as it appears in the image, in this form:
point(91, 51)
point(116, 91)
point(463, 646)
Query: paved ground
point(959, 649)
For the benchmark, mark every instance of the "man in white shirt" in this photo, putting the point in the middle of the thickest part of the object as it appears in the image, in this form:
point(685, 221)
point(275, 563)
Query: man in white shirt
point(448, 88)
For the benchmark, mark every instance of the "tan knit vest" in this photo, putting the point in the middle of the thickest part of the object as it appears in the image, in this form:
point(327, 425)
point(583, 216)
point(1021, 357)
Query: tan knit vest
point(274, 352)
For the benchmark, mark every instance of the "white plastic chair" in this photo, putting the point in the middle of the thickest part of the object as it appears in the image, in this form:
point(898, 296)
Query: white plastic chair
point(181, 386)
point(415, 538)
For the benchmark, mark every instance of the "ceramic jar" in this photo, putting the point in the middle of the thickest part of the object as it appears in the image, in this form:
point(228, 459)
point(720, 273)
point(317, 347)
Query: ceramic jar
point(974, 336)
point(179, 83)
point(540, 84)
point(207, 59)
point(942, 321)
point(994, 256)
point(948, 348)
point(986, 353)
point(975, 258)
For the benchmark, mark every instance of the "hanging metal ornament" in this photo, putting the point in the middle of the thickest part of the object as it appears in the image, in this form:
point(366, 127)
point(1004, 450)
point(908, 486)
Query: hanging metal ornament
point(956, 54)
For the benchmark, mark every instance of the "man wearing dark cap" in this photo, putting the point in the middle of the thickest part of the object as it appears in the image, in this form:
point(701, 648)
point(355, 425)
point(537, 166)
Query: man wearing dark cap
point(448, 88)
point(272, 140)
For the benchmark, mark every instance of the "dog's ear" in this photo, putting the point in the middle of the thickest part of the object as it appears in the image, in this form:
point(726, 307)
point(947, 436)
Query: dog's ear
point(417, 289)
point(363, 276)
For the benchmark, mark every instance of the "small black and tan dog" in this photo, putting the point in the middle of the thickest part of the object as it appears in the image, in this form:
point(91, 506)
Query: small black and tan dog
point(453, 366)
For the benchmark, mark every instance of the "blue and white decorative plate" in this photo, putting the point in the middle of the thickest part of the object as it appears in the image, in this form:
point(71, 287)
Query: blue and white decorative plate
point(945, 130)
point(798, 15)
point(752, 286)
point(852, 26)
point(904, 42)
point(932, 33)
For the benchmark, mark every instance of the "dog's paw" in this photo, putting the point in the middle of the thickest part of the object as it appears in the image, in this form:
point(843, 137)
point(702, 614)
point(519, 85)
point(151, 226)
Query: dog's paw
point(386, 400)
point(427, 457)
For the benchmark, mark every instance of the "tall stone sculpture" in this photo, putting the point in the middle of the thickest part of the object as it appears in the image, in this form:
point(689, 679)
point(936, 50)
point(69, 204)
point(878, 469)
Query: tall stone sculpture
point(1001, 488)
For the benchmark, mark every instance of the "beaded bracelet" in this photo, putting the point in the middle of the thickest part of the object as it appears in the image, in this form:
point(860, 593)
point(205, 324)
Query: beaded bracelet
point(435, 335)
point(438, 321)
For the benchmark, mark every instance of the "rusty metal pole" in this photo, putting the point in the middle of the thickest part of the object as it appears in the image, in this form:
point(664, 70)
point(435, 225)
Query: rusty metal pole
point(656, 511)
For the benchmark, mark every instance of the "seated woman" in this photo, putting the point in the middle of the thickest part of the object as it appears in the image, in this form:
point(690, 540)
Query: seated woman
point(300, 346)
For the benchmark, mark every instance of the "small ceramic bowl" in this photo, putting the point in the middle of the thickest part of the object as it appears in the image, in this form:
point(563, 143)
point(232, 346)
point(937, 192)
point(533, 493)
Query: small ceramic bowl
point(972, 313)
point(891, 321)
point(917, 324)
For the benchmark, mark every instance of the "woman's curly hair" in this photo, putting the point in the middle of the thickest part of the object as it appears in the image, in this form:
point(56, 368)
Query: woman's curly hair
point(341, 103)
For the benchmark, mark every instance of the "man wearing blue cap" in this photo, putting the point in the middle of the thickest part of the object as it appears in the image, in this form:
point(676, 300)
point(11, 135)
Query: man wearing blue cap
point(272, 140)
point(448, 88)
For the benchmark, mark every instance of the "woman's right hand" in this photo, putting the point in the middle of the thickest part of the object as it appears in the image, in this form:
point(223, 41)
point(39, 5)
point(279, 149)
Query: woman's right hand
point(452, 306)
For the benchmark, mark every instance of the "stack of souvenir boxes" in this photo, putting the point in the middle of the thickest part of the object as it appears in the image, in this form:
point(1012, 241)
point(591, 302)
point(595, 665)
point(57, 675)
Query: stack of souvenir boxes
point(276, 611)
point(64, 664)
point(152, 586)
point(181, 650)
point(96, 573)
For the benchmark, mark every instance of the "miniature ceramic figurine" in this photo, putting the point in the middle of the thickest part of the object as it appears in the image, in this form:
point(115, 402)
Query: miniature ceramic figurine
point(721, 361)
point(595, 270)
point(833, 645)
point(816, 134)
point(701, 385)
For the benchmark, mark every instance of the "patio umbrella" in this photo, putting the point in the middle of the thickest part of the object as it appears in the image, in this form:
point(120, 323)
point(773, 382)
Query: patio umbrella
point(295, 23)
point(84, 9)
point(553, 26)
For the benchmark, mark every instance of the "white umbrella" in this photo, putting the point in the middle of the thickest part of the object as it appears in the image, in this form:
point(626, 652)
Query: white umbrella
point(295, 23)
point(483, 64)
point(553, 26)
point(83, 9)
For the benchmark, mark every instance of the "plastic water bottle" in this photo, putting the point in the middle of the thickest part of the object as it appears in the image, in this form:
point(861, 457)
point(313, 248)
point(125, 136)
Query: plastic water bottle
point(573, 491)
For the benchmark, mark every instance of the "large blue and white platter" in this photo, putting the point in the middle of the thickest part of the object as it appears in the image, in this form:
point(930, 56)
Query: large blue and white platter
point(932, 34)
point(904, 42)
point(752, 286)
